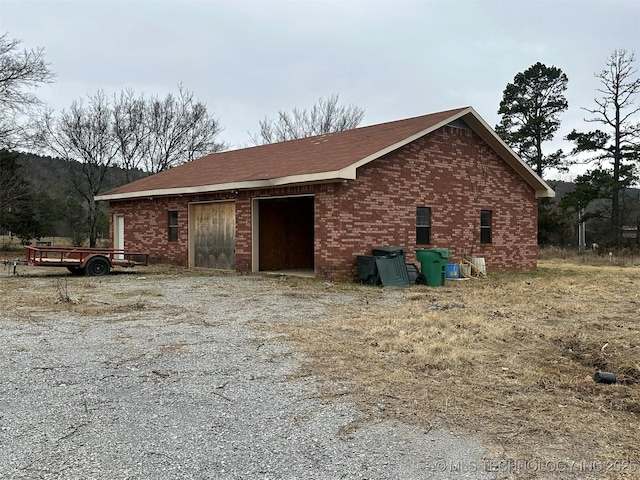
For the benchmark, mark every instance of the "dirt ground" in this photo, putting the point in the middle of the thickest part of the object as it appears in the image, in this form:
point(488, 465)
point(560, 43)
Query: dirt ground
point(165, 373)
point(508, 361)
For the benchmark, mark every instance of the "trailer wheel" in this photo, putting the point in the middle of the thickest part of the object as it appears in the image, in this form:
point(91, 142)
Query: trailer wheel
point(98, 266)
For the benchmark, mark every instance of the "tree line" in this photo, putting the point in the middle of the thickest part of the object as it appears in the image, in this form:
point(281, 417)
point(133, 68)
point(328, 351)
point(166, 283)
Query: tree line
point(530, 111)
point(141, 135)
point(43, 202)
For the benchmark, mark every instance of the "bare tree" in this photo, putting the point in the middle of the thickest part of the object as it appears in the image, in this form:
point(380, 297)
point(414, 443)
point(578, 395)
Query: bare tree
point(179, 129)
point(616, 150)
point(130, 131)
point(85, 133)
point(326, 116)
point(156, 134)
point(126, 131)
point(21, 71)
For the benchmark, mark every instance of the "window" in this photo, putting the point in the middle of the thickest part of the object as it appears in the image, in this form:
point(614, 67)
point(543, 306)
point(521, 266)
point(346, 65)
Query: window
point(173, 226)
point(423, 225)
point(485, 226)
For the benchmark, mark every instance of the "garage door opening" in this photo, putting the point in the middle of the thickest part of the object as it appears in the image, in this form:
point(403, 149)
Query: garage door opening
point(285, 235)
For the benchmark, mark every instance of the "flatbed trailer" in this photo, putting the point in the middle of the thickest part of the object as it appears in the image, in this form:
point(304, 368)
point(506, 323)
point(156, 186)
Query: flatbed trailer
point(84, 261)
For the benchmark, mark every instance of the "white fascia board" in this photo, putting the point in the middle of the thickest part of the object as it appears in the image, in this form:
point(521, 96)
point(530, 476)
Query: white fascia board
point(323, 177)
point(546, 193)
point(406, 141)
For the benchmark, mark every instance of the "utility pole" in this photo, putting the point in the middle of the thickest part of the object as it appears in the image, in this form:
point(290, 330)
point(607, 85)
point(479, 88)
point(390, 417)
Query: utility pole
point(582, 245)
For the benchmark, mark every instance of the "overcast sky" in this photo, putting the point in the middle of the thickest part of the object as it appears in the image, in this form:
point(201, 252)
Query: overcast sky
point(395, 59)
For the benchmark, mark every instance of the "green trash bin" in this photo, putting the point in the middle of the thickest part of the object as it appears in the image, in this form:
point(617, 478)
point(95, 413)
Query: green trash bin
point(434, 264)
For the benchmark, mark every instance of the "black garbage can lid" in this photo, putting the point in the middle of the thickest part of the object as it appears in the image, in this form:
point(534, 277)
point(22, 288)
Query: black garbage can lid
point(382, 251)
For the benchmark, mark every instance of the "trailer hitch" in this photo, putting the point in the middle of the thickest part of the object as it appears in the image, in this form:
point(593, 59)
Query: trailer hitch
point(15, 264)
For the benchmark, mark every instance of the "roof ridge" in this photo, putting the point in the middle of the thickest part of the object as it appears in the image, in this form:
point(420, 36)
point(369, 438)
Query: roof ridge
point(360, 128)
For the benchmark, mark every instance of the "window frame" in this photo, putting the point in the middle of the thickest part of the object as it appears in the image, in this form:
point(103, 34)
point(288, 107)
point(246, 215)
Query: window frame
point(421, 227)
point(172, 228)
point(486, 234)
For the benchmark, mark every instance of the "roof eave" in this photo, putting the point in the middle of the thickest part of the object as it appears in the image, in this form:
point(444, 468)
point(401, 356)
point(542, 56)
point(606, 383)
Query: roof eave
point(548, 193)
point(323, 177)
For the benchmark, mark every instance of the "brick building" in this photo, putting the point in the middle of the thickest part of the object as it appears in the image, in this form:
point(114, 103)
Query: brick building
point(444, 180)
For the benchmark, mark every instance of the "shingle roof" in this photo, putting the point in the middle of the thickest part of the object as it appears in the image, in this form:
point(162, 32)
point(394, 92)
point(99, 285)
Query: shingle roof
point(329, 157)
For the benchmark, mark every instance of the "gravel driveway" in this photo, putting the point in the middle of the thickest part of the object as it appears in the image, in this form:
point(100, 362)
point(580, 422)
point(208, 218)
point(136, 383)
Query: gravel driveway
point(164, 377)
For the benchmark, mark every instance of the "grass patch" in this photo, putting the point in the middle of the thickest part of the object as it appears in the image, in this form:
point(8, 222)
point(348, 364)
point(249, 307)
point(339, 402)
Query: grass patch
point(510, 358)
point(139, 293)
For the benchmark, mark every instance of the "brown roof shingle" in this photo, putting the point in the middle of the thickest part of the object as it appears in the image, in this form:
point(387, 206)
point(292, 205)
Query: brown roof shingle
point(318, 157)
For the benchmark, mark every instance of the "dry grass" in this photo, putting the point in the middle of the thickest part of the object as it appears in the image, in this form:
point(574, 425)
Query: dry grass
point(38, 291)
point(8, 244)
point(615, 257)
point(510, 358)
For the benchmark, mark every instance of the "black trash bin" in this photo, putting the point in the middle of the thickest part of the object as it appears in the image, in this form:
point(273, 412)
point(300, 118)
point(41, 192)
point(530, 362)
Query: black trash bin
point(367, 269)
point(391, 264)
point(390, 252)
point(414, 275)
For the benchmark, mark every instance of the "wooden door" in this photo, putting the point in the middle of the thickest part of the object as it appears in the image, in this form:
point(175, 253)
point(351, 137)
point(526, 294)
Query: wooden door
point(214, 235)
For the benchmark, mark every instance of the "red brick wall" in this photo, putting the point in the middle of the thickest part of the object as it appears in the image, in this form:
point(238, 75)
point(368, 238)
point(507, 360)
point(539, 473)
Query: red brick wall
point(146, 227)
point(452, 171)
point(456, 174)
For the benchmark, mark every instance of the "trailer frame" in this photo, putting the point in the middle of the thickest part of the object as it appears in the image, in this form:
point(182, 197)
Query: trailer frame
point(82, 260)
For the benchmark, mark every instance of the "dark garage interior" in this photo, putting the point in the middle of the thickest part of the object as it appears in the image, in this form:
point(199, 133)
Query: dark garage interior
point(286, 233)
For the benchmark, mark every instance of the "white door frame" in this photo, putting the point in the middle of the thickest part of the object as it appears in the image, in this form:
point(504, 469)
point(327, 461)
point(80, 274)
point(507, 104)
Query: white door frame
point(255, 226)
point(118, 234)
